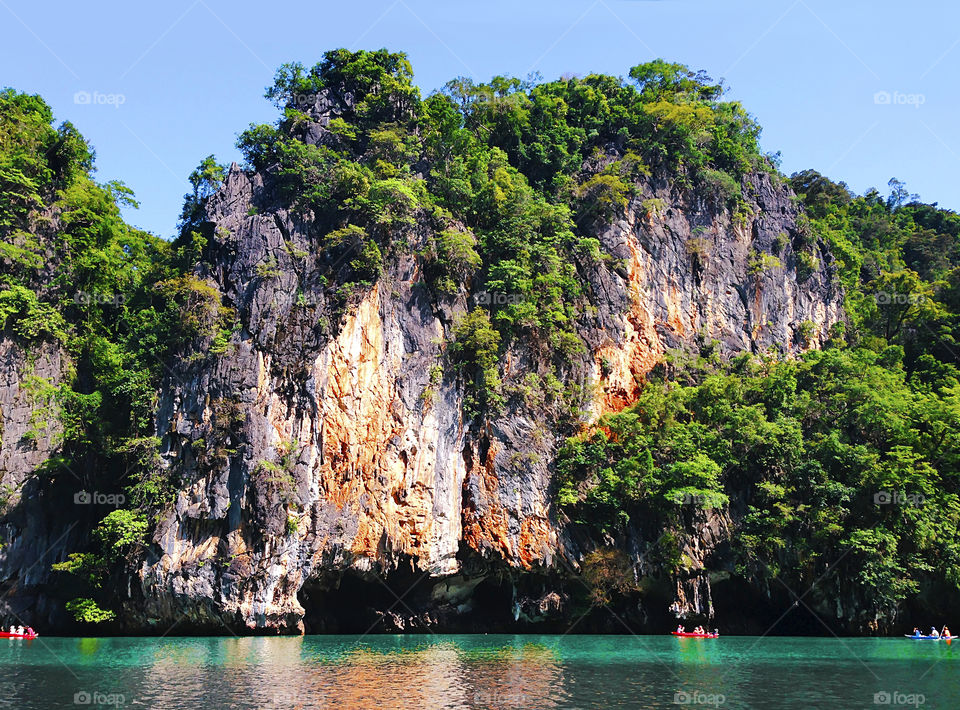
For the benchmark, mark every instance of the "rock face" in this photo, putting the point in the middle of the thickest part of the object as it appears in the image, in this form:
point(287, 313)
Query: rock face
point(328, 470)
point(28, 429)
point(32, 536)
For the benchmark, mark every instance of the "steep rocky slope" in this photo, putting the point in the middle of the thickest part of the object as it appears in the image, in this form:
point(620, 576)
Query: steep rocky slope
point(340, 457)
point(30, 435)
point(335, 403)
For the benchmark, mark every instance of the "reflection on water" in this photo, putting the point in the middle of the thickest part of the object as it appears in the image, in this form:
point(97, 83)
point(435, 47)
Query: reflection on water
point(475, 672)
point(419, 672)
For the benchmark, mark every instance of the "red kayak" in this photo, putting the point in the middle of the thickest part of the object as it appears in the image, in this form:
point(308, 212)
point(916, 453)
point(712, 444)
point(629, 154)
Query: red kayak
point(691, 635)
point(8, 635)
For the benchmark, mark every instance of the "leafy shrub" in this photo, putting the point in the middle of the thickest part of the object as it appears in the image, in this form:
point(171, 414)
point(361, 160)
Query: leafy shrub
point(454, 258)
point(349, 235)
point(603, 197)
point(120, 530)
point(369, 262)
point(807, 265)
point(760, 263)
point(475, 349)
point(280, 475)
point(608, 572)
point(720, 185)
point(198, 304)
point(87, 565)
point(700, 248)
point(654, 207)
point(88, 612)
point(23, 313)
point(805, 332)
point(393, 201)
point(267, 269)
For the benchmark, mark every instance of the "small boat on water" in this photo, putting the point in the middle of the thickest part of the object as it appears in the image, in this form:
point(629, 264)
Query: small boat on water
point(8, 635)
point(929, 638)
point(692, 635)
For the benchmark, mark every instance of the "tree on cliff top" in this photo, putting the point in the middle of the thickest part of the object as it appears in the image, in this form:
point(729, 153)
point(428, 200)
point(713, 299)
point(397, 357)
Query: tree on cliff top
point(372, 87)
point(659, 80)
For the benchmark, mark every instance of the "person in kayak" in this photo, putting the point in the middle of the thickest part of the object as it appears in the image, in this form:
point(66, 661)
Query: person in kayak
point(681, 630)
point(934, 633)
point(946, 632)
point(916, 632)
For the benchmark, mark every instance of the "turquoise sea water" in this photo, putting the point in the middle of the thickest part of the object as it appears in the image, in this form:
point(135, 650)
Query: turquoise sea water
point(478, 672)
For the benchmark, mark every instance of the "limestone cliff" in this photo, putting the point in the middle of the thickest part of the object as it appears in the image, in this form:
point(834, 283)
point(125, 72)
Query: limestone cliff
point(324, 462)
point(30, 436)
point(323, 450)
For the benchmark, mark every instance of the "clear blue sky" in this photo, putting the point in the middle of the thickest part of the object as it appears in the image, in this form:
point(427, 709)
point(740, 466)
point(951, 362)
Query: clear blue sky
point(191, 73)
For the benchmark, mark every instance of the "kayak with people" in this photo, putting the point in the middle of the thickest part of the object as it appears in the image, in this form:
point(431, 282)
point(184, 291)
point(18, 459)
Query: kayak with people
point(698, 633)
point(18, 632)
point(934, 635)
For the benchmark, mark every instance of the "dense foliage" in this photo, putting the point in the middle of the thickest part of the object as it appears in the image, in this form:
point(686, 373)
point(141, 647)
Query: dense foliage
point(75, 276)
point(845, 460)
point(498, 187)
point(510, 176)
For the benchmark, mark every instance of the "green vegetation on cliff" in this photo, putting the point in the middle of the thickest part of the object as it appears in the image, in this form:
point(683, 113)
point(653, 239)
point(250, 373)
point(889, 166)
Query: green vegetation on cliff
point(76, 275)
point(844, 461)
point(845, 457)
point(510, 175)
